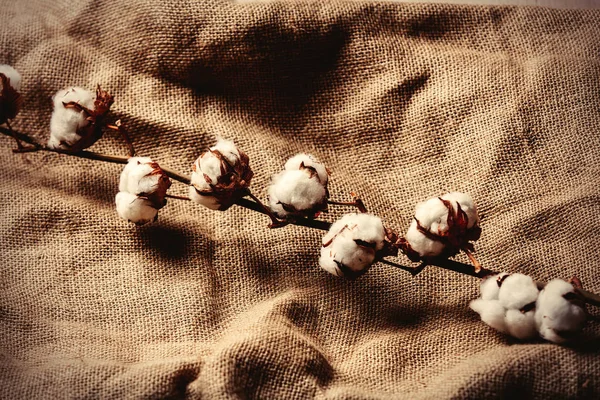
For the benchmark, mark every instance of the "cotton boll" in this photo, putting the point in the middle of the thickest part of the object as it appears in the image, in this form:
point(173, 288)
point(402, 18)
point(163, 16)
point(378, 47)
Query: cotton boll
point(366, 228)
point(443, 226)
point(490, 286)
point(142, 190)
point(521, 325)
point(345, 258)
point(67, 123)
point(517, 291)
point(421, 244)
point(510, 306)
point(220, 176)
point(363, 227)
point(466, 204)
point(143, 177)
point(491, 312)
point(351, 244)
point(13, 76)
point(200, 190)
point(559, 312)
point(310, 161)
point(135, 209)
point(295, 192)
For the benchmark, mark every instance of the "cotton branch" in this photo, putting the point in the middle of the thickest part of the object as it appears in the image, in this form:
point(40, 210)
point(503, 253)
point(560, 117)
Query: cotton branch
point(466, 269)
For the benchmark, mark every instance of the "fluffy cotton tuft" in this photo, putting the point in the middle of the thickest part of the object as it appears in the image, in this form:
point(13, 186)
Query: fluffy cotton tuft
point(491, 312)
point(308, 160)
point(422, 244)
point(138, 176)
point(135, 209)
point(300, 189)
point(560, 312)
point(517, 291)
point(220, 176)
point(350, 245)
point(507, 304)
point(13, 76)
point(490, 286)
point(142, 189)
point(66, 124)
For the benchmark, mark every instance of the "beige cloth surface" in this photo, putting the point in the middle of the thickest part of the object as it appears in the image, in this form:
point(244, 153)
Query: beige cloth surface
point(402, 102)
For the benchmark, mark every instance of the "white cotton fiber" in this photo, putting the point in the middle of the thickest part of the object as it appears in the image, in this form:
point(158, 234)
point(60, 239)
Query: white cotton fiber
point(142, 189)
point(66, 123)
point(13, 76)
point(422, 244)
point(490, 286)
point(308, 160)
point(300, 189)
point(466, 204)
point(510, 307)
point(559, 312)
point(135, 209)
point(491, 312)
point(220, 176)
point(351, 244)
point(517, 291)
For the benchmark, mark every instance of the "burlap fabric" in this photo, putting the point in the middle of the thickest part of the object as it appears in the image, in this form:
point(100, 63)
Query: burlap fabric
point(402, 102)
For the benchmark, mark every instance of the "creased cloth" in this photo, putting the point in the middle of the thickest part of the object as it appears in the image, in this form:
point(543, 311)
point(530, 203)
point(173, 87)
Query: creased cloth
point(401, 102)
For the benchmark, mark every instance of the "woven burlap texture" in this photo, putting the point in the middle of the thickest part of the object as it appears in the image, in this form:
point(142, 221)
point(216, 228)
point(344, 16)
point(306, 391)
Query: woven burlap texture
point(402, 102)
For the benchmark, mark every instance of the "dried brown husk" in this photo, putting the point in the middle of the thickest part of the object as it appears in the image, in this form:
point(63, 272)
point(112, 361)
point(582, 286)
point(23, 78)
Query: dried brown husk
point(10, 100)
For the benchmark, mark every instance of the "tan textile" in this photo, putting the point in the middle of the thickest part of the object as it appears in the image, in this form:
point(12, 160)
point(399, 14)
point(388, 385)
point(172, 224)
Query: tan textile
point(402, 102)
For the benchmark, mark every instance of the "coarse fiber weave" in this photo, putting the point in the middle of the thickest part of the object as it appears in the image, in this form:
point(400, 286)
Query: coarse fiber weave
point(402, 102)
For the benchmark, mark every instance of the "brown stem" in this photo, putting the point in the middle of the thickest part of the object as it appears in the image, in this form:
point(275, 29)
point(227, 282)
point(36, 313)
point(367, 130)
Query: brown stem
point(414, 271)
point(466, 269)
point(12, 133)
point(590, 298)
point(119, 127)
point(173, 196)
point(356, 202)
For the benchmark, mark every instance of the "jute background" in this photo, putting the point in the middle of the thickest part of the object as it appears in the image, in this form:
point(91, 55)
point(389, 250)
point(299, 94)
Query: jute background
point(402, 102)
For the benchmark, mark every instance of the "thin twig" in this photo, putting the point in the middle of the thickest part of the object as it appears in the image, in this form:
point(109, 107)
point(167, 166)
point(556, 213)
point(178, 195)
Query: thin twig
point(120, 128)
point(466, 269)
point(173, 196)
